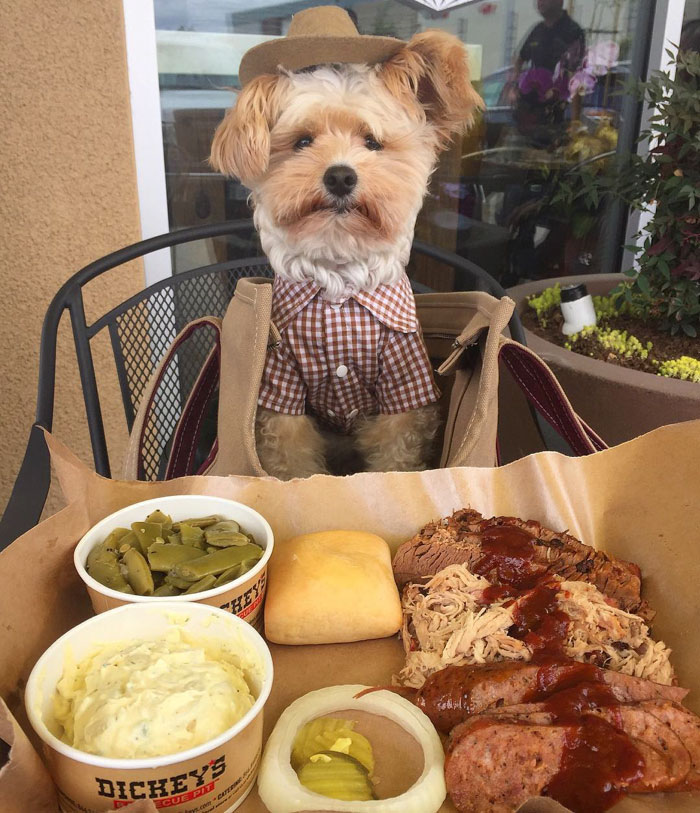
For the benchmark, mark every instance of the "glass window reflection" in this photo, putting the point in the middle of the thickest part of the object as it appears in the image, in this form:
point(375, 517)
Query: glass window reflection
point(550, 72)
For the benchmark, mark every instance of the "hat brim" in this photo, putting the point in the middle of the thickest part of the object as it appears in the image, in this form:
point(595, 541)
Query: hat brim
point(296, 53)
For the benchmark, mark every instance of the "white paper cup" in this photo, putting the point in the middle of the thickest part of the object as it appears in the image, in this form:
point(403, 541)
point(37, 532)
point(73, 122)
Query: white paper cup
point(244, 596)
point(214, 777)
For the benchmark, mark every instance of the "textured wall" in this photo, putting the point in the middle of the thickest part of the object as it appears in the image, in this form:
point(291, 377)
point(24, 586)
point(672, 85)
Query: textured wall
point(68, 196)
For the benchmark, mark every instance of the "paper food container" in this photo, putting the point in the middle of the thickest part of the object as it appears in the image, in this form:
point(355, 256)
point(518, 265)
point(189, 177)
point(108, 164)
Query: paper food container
point(243, 596)
point(214, 777)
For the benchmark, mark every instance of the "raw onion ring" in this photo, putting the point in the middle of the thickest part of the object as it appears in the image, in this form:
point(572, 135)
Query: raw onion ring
point(280, 789)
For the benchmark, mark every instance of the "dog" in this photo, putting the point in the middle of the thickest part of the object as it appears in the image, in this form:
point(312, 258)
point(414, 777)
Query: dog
point(338, 159)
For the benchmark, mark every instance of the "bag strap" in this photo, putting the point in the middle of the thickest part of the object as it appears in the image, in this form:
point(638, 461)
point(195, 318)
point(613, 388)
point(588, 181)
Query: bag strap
point(542, 389)
point(187, 430)
point(193, 410)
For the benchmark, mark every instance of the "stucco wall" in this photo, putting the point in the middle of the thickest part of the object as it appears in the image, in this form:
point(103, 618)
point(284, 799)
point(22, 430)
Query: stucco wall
point(68, 196)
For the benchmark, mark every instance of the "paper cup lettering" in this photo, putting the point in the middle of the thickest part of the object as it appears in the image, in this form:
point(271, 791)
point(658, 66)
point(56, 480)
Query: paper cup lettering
point(214, 777)
point(243, 596)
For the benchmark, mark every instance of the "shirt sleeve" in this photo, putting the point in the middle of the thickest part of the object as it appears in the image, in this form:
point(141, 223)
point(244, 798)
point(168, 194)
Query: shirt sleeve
point(282, 388)
point(405, 376)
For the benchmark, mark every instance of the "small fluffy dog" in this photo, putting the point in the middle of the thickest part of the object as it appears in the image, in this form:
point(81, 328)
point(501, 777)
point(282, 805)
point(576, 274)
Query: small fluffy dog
point(338, 159)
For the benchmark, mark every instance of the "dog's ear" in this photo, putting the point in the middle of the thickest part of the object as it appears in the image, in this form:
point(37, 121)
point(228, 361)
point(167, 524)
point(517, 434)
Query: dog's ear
point(433, 68)
point(241, 145)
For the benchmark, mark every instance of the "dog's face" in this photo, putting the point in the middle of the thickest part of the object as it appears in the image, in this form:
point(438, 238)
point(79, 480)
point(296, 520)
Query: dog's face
point(338, 158)
point(348, 164)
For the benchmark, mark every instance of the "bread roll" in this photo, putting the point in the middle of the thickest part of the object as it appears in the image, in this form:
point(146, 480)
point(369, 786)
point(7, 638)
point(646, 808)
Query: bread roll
point(331, 587)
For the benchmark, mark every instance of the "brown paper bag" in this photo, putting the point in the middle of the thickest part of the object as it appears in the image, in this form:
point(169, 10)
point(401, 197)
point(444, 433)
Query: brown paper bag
point(638, 501)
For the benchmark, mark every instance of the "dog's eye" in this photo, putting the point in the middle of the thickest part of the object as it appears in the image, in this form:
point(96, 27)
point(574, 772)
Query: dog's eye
point(372, 143)
point(304, 141)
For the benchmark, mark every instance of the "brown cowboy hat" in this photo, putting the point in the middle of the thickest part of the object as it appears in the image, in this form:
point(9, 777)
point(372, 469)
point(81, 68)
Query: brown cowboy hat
point(316, 36)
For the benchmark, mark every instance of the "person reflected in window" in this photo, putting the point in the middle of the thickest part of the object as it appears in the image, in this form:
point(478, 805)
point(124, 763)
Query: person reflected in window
point(550, 55)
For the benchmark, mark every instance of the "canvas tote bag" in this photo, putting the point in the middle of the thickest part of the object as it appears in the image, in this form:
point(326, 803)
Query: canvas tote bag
point(463, 332)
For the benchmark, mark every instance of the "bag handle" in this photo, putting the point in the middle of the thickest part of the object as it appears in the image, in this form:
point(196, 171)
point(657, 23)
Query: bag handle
point(542, 389)
point(186, 431)
point(133, 462)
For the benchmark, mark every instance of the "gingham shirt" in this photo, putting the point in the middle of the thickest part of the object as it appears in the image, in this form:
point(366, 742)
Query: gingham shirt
point(338, 360)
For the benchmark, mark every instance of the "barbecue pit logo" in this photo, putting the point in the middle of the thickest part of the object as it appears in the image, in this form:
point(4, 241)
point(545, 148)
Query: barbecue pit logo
point(166, 791)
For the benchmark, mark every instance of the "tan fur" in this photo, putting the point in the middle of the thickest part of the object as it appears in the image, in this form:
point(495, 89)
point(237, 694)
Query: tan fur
point(433, 68)
point(402, 442)
point(289, 445)
point(241, 145)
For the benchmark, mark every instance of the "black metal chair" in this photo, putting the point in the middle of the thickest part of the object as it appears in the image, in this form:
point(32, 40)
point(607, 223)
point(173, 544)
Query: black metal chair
point(140, 330)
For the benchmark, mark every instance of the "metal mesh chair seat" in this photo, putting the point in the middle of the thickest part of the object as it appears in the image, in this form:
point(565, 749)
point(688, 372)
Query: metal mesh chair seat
point(141, 330)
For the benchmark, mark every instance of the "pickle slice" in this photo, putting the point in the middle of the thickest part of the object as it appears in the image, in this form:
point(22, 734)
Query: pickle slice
point(337, 776)
point(331, 734)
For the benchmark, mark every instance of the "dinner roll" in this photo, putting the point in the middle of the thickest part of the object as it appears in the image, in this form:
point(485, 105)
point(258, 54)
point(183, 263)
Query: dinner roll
point(331, 587)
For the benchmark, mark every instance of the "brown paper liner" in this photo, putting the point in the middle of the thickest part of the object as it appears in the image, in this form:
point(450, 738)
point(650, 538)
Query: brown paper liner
point(638, 501)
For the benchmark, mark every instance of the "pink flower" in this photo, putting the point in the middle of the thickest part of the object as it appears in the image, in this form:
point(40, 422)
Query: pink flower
point(538, 80)
point(601, 57)
point(582, 82)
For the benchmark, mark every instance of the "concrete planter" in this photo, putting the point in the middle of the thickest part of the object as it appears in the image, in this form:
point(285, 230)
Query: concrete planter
point(617, 402)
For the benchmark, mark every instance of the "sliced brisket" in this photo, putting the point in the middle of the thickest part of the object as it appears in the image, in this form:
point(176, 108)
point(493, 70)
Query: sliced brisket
point(458, 540)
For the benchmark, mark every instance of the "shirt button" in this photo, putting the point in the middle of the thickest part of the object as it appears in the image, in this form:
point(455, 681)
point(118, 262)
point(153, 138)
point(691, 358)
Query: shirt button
point(341, 371)
point(330, 413)
point(353, 414)
point(336, 305)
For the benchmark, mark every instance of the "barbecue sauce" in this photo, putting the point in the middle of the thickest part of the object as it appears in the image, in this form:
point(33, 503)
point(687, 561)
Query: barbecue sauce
point(557, 674)
point(510, 553)
point(539, 622)
point(599, 761)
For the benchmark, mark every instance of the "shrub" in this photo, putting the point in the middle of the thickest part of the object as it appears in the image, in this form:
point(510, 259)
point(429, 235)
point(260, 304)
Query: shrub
point(665, 287)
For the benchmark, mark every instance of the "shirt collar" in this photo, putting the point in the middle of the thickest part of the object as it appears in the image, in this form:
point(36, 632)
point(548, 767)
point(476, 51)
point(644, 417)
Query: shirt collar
point(393, 305)
point(289, 297)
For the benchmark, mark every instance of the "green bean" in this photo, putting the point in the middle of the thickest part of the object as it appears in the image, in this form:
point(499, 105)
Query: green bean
point(230, 574)
point(138, 574)
point(223, 538)
point(161, 519)
point(191, 535)
point(148, 532)
point(110, 544)
point(133, 541)
point(164, 557)
point(205, 583)
point(112, 541)
point(198, 522)
point(105, 569)
point(176, 581)
point(217, 562)
point(228, 526)
point(166, 590)
point(235, 572)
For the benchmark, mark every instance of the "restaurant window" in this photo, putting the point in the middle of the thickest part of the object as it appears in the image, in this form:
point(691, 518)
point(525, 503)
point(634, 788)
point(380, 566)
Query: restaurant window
point(552, 75)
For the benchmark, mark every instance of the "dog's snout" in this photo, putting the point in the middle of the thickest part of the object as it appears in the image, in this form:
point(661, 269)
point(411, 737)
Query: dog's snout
point(340, 180)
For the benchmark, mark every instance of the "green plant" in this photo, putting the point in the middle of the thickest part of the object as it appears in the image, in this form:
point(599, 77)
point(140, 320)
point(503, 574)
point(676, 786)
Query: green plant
point(665, 286)
point(544, 303)
point(685, 367)
point(616, 343)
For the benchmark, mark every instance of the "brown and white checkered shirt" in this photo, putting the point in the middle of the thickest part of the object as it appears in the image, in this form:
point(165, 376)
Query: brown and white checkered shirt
point(338, 360)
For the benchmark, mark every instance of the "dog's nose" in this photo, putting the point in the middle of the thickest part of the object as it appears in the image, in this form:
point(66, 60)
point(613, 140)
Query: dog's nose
point(340, 180)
